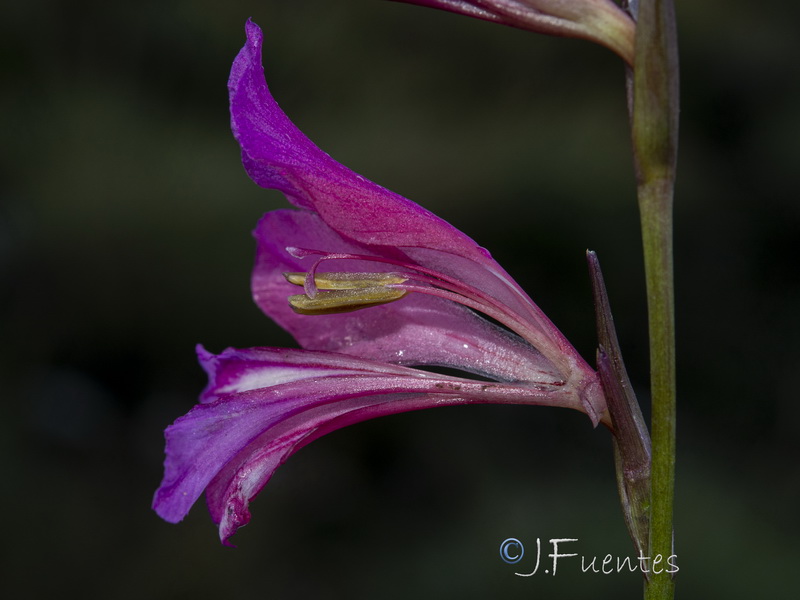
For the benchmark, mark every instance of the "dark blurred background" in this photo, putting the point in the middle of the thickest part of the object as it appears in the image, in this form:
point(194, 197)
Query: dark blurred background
point(125, 220)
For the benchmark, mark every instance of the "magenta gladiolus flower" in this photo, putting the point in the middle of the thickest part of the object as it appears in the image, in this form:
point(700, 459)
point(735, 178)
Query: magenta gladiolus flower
point(370, 284)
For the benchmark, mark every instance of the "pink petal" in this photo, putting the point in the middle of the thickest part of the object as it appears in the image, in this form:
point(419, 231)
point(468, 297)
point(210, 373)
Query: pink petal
point(233, 441)
point(277, 155)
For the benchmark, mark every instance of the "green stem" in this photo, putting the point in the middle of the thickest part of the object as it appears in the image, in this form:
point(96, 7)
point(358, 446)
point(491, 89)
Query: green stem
point(655, 141)
point(657, 234)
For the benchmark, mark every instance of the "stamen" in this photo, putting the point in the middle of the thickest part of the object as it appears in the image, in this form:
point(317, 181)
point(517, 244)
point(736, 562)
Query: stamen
point(344, 292)
point(441, 285)
point(344, 300)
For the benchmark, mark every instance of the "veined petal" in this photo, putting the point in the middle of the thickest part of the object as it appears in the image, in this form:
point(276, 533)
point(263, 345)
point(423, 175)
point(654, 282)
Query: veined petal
point(233, 441)
point(278, 155)
point(237, 371)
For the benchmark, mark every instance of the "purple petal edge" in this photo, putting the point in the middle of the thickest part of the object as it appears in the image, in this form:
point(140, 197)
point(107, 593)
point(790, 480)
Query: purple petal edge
point(278, 155)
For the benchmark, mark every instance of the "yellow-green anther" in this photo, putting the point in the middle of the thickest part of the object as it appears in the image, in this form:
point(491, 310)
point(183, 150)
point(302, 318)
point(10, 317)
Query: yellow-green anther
point(344, 292)
point(344, 300)
point(346, 281)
